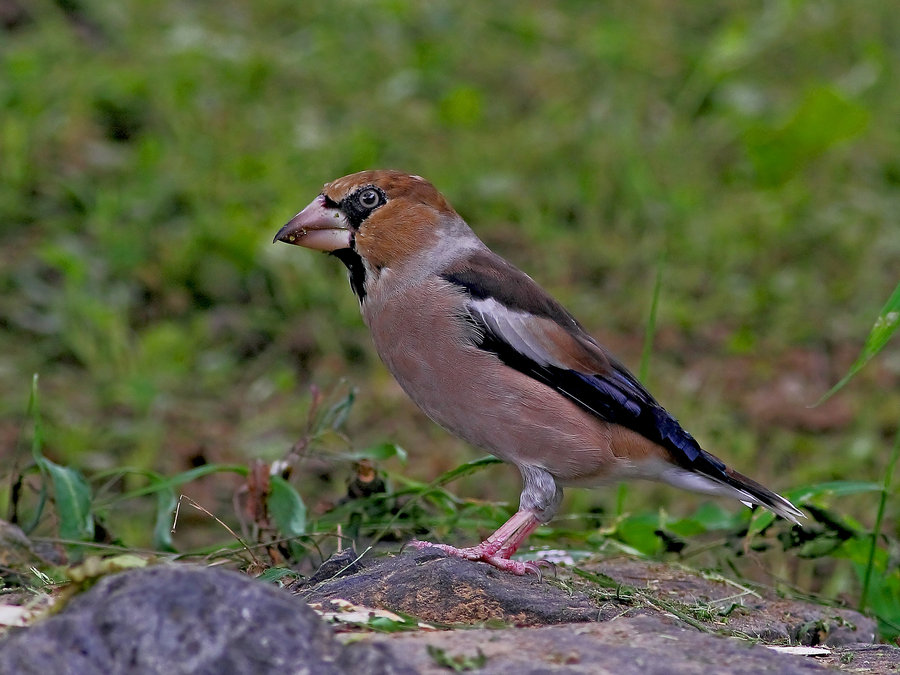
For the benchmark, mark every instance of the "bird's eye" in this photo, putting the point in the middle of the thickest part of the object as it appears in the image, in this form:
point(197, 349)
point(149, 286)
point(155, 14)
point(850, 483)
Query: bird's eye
point(369, 198)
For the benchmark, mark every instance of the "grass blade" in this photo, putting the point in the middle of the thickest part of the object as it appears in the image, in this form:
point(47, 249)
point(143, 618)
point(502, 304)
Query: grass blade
point(178, 479)
point(650, 329)
point(876, 530)
point(885, 326)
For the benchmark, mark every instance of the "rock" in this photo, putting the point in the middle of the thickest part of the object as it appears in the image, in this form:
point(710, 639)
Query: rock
point(622, 616)
point(869, 659)
point(185, 619)
point(438, 589)
point(641, 645)
point(742, 609)
point(633, 616)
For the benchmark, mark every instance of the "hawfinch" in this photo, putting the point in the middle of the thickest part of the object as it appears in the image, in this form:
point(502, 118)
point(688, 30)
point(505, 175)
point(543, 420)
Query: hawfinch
point(490, 356)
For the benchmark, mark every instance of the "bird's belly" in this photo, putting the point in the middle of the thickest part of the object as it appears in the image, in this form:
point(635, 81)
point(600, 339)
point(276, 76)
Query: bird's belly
point(472, 394)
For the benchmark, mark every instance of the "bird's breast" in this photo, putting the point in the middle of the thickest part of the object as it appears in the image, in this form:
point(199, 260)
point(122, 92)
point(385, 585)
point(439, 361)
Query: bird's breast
point(422, 335)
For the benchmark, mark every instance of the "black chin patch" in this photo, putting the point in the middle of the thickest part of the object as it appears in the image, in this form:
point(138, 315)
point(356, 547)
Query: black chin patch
point(357, 270)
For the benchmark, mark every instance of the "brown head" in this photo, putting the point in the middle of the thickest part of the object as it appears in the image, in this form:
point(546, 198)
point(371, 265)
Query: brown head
point(382, 216)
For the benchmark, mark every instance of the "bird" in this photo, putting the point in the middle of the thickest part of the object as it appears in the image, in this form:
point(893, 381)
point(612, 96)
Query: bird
point(489, 355)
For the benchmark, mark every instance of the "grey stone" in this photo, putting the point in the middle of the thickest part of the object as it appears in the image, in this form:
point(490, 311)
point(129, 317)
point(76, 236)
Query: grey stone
point(756, 613)
point(437, 588)
point(183, 619)
point(186, 619)
point(643, 645)
point(625, 616)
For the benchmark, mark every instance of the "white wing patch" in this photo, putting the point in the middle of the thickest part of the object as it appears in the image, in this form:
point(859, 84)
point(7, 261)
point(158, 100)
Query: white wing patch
point(514, 328)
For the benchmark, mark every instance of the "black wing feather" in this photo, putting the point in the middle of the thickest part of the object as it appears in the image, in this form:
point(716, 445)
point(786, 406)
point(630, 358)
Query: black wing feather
point(613, 394)
point(617, 398)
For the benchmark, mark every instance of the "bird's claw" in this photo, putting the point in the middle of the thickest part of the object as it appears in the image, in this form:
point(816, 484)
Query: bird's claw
point(468, 553)
point(482, 553)
point(548, 564)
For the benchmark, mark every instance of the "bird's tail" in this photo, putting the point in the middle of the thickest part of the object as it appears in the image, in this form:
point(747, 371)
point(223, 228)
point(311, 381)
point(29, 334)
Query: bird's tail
point(754, 493)
point(710, 475)
point(702, 471)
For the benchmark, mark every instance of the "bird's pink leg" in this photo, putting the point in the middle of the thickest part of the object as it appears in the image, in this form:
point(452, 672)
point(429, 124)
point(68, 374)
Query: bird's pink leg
point(497, 549)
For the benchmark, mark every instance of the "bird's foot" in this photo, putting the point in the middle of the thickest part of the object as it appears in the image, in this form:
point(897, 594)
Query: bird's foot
point(491, 554)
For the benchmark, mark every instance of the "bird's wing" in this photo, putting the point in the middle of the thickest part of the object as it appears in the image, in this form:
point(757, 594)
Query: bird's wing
point(531, 332)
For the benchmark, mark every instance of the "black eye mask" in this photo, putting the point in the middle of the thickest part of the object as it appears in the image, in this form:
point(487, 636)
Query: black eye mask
point(354, 210)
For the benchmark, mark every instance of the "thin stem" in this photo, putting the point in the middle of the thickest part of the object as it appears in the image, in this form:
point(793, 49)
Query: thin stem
point(644, 369)
point(876, 531)
point(650, 329)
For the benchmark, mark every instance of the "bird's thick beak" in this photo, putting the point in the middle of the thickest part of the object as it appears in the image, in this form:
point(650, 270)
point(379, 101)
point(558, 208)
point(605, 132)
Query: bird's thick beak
point(317, 227)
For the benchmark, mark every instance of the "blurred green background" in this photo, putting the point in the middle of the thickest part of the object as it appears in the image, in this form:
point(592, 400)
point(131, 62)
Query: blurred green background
point(149, 150)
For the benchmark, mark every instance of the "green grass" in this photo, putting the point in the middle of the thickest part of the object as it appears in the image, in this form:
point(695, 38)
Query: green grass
point(151, 150)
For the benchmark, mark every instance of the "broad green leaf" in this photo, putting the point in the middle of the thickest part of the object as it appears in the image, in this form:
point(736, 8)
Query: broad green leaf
point(884, 603)
point(885, 326)
point(386, 625)
point(287, 508)
point(857, 550)
point(639, 531)
point(381, 452)
point(166, 502)
point(761, 519)
point(73, 501)
point(686, 527)
point(819, 547)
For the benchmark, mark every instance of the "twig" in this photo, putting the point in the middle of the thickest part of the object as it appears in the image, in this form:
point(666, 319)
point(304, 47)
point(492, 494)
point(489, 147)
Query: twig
point(256, 561)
